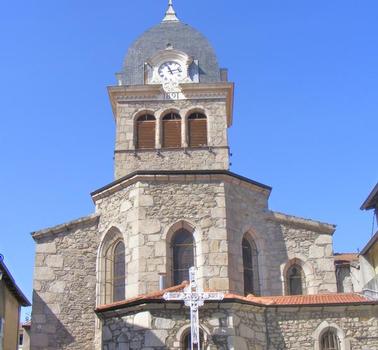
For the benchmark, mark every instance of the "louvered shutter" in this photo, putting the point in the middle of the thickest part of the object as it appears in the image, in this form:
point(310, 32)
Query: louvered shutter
point(197, 132)
point(146, 134)
point(172, 133)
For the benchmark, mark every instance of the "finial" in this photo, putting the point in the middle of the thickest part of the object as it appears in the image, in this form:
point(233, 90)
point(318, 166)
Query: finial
point(170, 15)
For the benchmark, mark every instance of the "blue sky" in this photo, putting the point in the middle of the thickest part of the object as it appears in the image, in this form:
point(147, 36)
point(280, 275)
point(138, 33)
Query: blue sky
point(305, 117)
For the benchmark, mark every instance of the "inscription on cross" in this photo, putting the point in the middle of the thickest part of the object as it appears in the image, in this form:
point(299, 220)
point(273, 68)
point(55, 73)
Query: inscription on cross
point(194, 298)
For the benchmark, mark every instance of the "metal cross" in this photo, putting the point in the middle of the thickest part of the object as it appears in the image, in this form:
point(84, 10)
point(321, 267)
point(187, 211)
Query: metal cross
point(194, 297)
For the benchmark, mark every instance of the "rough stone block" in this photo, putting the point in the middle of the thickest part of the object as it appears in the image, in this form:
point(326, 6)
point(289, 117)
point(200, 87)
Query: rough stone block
point(54, 261)
point(46, 248)
point(142, 320)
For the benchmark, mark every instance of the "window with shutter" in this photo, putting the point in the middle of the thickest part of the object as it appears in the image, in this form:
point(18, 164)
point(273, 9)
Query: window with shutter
point(183, 255)
point(250, 267)
point(145, 130)
point(172, 131)
point(197, 130)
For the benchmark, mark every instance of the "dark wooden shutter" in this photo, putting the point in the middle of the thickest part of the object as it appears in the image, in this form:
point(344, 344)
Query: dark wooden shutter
point(197, 132)
point(172, 131)
point(146, 134)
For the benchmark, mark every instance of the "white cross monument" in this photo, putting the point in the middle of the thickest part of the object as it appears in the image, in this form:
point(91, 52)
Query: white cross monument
point(194, 297)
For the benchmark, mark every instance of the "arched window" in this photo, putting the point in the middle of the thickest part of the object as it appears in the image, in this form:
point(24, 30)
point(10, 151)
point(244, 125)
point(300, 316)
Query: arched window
point(330, 340)
point(295, 280)
point(182, 255)
point(250, 267)
point(197, 130)
point(187, 345)
point(171, 131)
point(145, 132)
point(113, 273)
point(119, 272)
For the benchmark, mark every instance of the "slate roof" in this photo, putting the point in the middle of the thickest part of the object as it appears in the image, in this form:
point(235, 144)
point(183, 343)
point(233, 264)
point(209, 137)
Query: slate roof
point(371, 202)
point(12, 286)
point(182, 37)
point(333, 299)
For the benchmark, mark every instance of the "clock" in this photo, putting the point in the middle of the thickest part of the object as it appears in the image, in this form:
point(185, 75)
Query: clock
point(171, 71)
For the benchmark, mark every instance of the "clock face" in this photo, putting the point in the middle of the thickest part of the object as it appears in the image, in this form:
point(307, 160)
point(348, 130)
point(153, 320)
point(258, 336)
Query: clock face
point(171, 71)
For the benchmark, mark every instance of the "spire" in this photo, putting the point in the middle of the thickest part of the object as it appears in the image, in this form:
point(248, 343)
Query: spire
point(170, 15)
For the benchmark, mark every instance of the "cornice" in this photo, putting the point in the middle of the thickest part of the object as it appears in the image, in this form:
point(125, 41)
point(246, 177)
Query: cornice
point(189, 91)
point(302, 222)
point(65, 227)
point(185, 176)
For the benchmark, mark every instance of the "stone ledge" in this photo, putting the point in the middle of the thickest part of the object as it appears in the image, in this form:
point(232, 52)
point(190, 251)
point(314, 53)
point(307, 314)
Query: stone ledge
point(302, 222)
point(184, 176)
point(65, 227)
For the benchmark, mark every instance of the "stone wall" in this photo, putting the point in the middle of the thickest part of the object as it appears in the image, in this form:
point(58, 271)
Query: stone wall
point(128, 160)
point(240, 327)
point(280, 240)
point(64, 287)
point(178, 159)
point(219, 210)
point(312, 248)
point(164, 326)
point(149, 212)
point(298, 328)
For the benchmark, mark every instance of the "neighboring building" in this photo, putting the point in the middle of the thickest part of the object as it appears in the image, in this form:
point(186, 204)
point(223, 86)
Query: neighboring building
point(11, 300)
point(347, 272)
point(369, 254)
point(175, 204)
point(23, 337)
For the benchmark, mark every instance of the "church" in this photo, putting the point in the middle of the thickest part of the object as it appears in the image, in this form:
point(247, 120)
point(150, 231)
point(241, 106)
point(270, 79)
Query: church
point(99, 281)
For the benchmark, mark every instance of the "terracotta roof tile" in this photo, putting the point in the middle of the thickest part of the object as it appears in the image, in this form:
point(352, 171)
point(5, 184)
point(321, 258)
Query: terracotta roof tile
point(318, 299)
point(346, 257)
point(289, 300)
point(158, 295)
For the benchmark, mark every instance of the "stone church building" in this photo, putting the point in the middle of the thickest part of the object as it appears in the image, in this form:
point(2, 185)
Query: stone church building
point(99, 280)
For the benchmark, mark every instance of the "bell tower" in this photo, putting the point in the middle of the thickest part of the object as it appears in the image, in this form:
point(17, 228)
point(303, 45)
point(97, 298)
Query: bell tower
point(173, 104)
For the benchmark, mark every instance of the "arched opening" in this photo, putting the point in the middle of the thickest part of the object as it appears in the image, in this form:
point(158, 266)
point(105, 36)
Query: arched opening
point(119, 272)
point(250, 267)
point(182, 255)
point(330, 340)
point(186, 343)
point(197, 130)
point(111, 268)
point(145, 132)
point(171, 131)
point(295, 280)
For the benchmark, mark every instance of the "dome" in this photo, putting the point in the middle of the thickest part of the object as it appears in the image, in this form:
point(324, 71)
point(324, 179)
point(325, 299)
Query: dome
point(181, 37)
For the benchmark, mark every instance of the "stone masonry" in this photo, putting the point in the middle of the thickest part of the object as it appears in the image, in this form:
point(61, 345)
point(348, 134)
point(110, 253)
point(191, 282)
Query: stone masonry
point(239, 326)
point(146, 210)
point(128, 159)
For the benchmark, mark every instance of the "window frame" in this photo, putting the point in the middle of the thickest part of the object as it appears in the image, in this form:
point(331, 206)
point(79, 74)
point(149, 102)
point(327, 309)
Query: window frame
point(253, 269)
point(171, 117)
point(172, 248)
point(146, 118)
point(197, 116)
